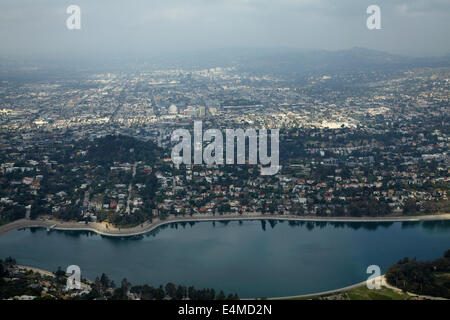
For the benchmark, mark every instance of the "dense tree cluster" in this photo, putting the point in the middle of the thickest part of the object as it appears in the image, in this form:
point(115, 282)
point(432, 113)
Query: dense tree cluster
point(16, 282)
point(104, 287)
point(110, 149)
point(422, 277)
point(10, 213)
point(17, 286)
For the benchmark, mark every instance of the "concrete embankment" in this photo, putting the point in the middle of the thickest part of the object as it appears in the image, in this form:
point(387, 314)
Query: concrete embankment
point(108, 230)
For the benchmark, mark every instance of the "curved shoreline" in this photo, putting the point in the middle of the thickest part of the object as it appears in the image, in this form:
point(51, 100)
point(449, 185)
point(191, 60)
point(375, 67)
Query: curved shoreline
point(49, 273)
point(317, 294)
point(146, 227)
point(383, 283)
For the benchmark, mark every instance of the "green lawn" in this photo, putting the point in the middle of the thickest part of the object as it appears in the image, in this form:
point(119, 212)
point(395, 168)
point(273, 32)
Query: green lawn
point(361, 293)
point(364, 293)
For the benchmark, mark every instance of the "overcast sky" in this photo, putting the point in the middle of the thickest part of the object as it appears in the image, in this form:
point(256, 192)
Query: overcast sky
point(413, 27)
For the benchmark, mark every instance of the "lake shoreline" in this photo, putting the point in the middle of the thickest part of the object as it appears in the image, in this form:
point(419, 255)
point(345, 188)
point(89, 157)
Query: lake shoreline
point(381, 278)
point(383, 282)
point(110, 231)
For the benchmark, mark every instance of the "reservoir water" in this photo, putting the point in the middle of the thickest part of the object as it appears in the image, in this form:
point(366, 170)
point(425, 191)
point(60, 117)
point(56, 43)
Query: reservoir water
point(268, 258)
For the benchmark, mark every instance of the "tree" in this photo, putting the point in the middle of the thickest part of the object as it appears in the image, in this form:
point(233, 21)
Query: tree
point(104, 281)
point(181, 292)
point(122, 292)
point(159, 293)
point(410, 207)
point(59, 273)
point(171, 290)
point(2, 269)
point(447, 254)
point(125, 286)
point(221, 295)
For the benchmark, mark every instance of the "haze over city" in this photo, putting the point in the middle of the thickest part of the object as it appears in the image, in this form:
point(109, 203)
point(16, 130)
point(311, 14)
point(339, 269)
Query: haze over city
point(261, 150)
point(138, 27)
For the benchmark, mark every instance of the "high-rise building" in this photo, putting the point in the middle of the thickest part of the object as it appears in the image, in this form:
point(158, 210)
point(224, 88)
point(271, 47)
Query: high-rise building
point(201, 111)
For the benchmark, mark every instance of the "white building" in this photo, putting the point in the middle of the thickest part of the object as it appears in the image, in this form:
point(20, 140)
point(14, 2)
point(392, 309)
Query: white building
point(173, 109)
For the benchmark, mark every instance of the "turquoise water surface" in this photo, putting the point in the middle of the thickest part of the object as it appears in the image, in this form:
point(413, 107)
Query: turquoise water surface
point(266, 258)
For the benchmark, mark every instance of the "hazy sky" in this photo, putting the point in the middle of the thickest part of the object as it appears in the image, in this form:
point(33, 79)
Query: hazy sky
point(414, 27)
